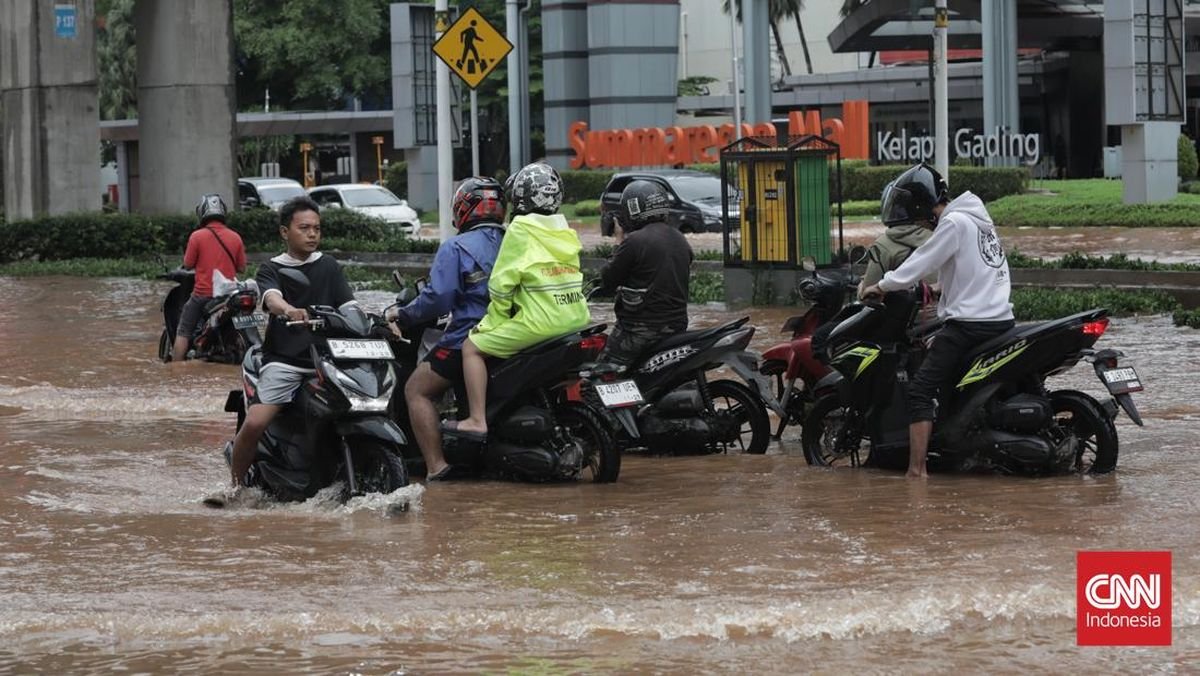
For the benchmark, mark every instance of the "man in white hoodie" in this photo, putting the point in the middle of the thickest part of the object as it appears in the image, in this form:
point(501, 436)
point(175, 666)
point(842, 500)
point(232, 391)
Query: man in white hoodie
point(972, 270)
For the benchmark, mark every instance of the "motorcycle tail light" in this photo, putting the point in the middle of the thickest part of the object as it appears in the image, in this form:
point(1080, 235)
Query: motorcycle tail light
point(1096, 328)
point(594, 343)
point(246, 302)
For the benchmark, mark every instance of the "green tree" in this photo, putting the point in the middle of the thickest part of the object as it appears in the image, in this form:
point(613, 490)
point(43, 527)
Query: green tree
point(1188, 163)
point(116, 60)
point(778, 10)
point(312, 54)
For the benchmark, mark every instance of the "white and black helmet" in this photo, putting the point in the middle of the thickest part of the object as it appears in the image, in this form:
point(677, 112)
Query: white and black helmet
point(643, 203)
point(211, 208)
point(535, 189)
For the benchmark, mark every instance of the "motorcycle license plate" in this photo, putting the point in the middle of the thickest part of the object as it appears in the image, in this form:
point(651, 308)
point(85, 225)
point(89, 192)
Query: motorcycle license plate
point(360, 349)
point(1122, 380)
point(619, 395)
point(248, 321)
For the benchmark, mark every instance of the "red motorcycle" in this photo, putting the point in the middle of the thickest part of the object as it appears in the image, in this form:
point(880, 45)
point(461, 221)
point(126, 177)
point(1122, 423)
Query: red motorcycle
point(799, 375)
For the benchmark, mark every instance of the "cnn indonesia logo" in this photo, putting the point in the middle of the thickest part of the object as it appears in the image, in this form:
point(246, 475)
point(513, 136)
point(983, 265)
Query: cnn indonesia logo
point(1123, 598)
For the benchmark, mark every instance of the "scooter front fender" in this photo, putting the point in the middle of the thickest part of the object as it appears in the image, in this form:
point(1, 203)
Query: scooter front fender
point(376, 427)
point(744, 363)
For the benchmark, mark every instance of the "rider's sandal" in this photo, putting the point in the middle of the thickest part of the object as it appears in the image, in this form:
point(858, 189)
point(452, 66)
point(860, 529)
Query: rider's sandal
point(451, 428)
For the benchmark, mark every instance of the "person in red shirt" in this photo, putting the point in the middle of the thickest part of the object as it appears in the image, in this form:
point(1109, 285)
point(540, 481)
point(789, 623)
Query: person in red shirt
point(212, 246)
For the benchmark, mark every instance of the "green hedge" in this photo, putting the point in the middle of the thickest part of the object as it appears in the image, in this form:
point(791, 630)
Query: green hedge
point(1188, 318)
point(92, 235)
point(1046, 304)
point(1188, 163)
point(1076, 260)
point(989, 183)
point(860, 181)
point(396, 179)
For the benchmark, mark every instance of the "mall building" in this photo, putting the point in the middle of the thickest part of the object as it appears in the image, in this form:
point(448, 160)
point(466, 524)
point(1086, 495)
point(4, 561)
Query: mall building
point(615, 64)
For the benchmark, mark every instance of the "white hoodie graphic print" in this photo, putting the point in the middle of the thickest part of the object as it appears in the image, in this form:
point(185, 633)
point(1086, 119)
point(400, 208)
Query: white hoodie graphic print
point(967, 257)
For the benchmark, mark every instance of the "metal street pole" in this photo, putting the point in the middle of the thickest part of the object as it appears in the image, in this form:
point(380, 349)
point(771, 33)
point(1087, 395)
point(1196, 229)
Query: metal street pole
point(445, 154)
point(737, 94)
point(941, 94)
point(515, 59)
point(474, 134)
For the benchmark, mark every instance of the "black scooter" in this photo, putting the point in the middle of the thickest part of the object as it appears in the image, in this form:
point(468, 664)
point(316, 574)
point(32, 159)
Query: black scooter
point(538, 427)
point(665, 403)
point(999, 415)
point(218, 336)
point(337, 427)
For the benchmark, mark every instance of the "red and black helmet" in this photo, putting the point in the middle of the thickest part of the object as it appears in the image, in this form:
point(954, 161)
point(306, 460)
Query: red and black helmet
point(478, 200)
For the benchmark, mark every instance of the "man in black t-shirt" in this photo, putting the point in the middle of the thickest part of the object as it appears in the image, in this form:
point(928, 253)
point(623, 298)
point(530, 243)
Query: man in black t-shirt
point(286, 360)
point(649, 272)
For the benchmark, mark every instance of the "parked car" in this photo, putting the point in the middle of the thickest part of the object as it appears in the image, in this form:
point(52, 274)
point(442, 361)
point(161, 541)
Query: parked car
point(372, 200)
point(266, 192)
point(697, 198)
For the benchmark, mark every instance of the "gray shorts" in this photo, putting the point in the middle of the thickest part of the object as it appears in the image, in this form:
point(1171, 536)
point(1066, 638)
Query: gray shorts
point(278, 383)
point(193, 311)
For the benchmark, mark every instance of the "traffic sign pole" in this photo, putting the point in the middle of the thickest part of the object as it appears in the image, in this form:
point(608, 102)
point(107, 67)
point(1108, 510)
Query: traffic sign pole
point(474, 134)
point(445, 156)
point(515, 132)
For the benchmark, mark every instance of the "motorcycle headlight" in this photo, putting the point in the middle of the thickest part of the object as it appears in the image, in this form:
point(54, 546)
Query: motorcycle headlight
point(335, 374)
point(367, 404)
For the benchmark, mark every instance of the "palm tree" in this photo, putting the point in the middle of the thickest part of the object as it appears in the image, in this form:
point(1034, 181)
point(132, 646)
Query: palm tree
point(777, 10)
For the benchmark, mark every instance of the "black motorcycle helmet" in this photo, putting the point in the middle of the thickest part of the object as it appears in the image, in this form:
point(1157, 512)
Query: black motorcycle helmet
point(535, 189)
point(478, 200)
point(211, 208)
point(913, 195)
point(643, 203)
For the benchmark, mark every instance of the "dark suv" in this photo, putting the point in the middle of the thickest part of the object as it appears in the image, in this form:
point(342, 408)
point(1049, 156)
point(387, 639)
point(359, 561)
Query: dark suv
point(696, 196)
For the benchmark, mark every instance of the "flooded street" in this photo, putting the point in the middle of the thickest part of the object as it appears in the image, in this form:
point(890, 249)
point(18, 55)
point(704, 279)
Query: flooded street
point(745, 564)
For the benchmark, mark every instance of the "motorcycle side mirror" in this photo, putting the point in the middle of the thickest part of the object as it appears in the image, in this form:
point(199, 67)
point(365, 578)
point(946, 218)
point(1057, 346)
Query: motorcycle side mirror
point(406, 296)
point(294, 285)
point(398, 279)
point(808, 264)
point(858, 254)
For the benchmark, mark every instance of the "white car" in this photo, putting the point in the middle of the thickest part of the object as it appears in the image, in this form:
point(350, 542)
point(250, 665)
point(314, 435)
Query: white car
point(372, 200)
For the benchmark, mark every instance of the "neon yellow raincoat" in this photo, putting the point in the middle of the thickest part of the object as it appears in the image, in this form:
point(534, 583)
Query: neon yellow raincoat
point(536, 287)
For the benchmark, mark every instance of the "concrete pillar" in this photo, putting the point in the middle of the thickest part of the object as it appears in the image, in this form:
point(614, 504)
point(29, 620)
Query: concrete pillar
point(1001, 99)
point(756, 48)
point(1149, 162)
point(564, 75)
point(186, 107)
point(51, 128)
point(633, 55)
point(422, 177)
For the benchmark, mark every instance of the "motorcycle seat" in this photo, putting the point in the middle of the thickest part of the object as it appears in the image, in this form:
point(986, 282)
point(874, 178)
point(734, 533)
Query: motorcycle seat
point(559, 341)
point(212, 304)
point(1027, 332)
point(685, 337)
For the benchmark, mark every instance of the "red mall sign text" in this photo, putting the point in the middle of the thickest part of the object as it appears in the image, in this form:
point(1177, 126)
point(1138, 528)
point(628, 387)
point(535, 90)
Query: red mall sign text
point(670, 146)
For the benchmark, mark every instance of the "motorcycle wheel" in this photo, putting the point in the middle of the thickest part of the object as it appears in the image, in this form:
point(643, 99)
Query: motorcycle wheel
point(1077, 413)
point(378, 466)
point(601, 454)
point(164, 347)
point(823, 437)
point(734, 404)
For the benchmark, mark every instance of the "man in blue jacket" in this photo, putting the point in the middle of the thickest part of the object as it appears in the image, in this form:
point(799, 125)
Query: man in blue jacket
point(458, 284)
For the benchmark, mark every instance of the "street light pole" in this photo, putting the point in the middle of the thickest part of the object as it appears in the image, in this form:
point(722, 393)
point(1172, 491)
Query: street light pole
point(515, 59)
point(941, 94)
point(737, 94)
point(445, 154)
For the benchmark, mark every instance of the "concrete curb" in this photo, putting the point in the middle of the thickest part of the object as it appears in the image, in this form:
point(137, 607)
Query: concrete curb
point(1184, 286)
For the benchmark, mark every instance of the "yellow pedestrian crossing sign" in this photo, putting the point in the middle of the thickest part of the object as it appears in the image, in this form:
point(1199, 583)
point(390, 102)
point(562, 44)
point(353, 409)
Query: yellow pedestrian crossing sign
point(472, 47)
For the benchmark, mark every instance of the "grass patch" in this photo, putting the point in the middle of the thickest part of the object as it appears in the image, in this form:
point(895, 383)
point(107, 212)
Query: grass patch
point(1091, 203)
point(1046, 304)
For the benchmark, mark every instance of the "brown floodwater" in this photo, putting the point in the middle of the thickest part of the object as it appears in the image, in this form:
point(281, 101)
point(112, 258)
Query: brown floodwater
point(108, 561)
